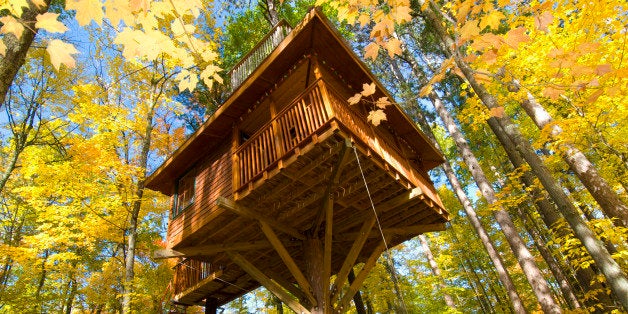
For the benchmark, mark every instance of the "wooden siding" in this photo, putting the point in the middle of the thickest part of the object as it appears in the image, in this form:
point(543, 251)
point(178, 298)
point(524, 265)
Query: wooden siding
point(213, 179)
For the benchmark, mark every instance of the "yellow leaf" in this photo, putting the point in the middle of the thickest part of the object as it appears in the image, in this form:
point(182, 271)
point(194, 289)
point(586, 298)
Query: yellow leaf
point(3, 48)
point(469, 30)
point(393, 46)
point(139, 5)
point(187, 81)
point(48, 21)
point(543, 20)
point(86, 10)
point(61, 53)
point(355, 99)
point(376, 116)
point(11, 25)
point(463, 10)
point(593, 97)
point(364, 19)
point(492, 20)
point(368, 89)
point(371, 50)
point(119, 10)
point(383, 28)
point(39, 3)
point(516, 36)
point(486, 40)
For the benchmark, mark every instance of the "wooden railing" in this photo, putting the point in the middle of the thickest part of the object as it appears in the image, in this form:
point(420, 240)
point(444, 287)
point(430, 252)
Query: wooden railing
point(254, 58)
point(290, 127)
point(188, 273)
point(297, 123)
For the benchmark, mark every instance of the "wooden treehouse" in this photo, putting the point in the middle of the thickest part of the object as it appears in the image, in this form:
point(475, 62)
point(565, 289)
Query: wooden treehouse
point(269, 190)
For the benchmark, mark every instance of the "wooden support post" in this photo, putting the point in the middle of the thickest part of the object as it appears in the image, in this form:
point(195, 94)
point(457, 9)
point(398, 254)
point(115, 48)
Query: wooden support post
point(313, 255)
point(288, 261)
point(357, 283)
point(211, 306)
point(363, 235)
point(357, 298)
point(273, 287)
point(249, 213)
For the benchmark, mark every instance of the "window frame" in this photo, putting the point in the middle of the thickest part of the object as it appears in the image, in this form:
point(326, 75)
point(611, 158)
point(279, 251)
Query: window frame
point(178, 208)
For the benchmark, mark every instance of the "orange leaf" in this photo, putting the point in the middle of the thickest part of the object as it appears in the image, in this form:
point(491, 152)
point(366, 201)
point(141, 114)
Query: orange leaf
point(376, 116)
point(368, 89)
point(603, 69)
point(355, 99)
point(593, 97)
point(371, 50)
point(543, 20)
point(382, 102)
point(552, 93)
point(393, 46)
point(516, 36)
point(469, 30)
point(497, 112)
point(489, 56)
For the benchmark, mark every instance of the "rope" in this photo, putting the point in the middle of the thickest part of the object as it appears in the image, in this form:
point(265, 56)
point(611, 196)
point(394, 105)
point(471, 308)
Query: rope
point(393, 272)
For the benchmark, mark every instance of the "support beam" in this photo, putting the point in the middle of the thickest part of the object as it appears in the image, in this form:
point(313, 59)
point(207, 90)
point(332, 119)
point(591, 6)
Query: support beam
point(289, 286)
point(341, 278)
point(210, 249)
point(359, 279)
point(273, 287)
point(313, 260)
point(288, 261)
point(249, 213)
point(404, 231)
point(333, 182)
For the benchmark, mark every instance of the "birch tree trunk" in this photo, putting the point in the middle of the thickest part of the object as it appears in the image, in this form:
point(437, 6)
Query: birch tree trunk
point(614, 275)
point(502, 273)
point(601, 191)
point(436, 271)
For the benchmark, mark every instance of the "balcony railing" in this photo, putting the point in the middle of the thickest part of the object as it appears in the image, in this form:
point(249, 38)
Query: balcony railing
point(293, 125)
point(303, 118)
point(254, 58)
point(189, 273)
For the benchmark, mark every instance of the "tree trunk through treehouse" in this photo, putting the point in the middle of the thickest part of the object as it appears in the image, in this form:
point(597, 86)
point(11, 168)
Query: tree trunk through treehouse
point(313, 255)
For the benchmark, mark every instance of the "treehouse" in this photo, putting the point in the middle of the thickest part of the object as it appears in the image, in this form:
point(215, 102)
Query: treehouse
point(284, 184)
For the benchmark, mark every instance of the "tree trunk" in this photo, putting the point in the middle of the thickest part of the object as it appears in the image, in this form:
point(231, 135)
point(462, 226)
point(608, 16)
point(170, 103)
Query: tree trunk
point(129, 260)
point(614, 275)
point(436, 271)
point(17, 48)
point(357, 298)
point(502, 273)
point(601, 191)
point(526, 260)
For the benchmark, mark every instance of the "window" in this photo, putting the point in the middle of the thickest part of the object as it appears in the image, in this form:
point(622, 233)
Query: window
point(185, 193)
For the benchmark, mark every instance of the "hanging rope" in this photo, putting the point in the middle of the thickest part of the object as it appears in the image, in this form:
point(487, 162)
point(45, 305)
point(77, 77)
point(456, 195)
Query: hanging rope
point(393, 270)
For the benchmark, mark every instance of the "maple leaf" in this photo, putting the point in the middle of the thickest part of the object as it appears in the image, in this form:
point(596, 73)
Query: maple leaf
point(61, 53)
point(402, 14)
point(469, 30)
point(552, 92)
point(86, 11)
point(364, 19)
point(119, 10)
point(492, 20)
point(3, 48)
point(355, 99)
point(497, 112)
point(603, 69)
point(382, 102)
point(543, 20)
point(368, 89)
point(187, 81)
point(11, 25)
point(516, 36)
point(48, 21)
point(371, 50)
point(376, 116)
point(393, 46)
